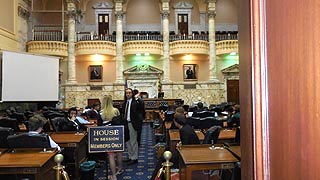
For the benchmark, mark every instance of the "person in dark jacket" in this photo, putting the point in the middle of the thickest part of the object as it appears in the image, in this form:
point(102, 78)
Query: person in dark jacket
point(133, 112)
point(187, 134)
point(187, 137)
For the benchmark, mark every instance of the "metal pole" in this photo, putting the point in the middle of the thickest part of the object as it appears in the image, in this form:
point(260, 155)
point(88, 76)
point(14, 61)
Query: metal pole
point(167, 156)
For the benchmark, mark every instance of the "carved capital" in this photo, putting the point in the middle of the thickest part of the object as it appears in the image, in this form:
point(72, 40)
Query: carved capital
point(211, 14)
point(72, 1)
point(118, 14)
point(22, 12)
point(120, 1)
point(210, 1)
point(165, 14)
point(28, 2)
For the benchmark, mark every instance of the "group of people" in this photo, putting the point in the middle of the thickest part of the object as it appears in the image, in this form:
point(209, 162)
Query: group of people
point(131, 117)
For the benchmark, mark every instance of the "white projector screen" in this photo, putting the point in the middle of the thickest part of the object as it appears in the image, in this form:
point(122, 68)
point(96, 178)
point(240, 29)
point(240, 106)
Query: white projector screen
point(27, 77)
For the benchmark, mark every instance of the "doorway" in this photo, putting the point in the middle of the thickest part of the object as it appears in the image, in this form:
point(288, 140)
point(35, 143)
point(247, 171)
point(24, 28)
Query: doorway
point(183, 24)
point(103, 24)
point(233, 91)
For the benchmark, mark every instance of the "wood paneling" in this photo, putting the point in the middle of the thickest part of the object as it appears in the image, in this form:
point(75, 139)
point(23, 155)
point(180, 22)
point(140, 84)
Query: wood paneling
point(284, 125)
point(293, 70)
point(245, 58)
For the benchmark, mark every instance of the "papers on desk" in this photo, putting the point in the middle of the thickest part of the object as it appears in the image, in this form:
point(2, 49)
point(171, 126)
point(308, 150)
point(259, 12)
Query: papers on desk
point(216, 148)
point(225, 113)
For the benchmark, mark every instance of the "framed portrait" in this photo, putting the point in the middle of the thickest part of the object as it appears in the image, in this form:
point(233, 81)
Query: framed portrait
point(95, 73)
point(190, 72)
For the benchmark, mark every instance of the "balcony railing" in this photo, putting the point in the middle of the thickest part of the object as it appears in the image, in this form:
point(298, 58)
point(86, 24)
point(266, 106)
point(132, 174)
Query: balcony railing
point(142, 37)
point(90, 36)
point(188, 37)
point(56, 33)
point(47, 33)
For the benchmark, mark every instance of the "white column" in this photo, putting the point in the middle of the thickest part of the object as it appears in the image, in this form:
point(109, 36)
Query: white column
point(119, 50)
point(166, 48)
point(71, 43)
point(165, 33)
point(212, 40)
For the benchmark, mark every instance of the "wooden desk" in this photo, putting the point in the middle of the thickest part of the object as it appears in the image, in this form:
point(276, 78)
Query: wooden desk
point(76, 144)
point(29, 161)
point(236, 151)
point(200, 157)
point(227, 134)
point(174, 137)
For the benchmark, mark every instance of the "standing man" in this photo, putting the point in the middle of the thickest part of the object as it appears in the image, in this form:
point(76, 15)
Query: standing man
point(133, 114)
point(138, 98)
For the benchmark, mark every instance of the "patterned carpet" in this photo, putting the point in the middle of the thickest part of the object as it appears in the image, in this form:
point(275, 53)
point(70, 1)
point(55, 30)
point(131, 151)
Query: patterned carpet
point(146, 160)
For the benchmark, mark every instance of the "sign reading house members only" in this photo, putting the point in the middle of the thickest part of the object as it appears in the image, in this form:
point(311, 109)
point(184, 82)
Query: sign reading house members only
point(106, 139)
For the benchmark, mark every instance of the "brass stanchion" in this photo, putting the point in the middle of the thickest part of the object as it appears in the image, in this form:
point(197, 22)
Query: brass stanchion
point(60, 168)
point(167, 156)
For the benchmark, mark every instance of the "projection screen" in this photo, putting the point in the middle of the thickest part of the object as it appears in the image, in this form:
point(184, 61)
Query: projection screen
point(27, 77)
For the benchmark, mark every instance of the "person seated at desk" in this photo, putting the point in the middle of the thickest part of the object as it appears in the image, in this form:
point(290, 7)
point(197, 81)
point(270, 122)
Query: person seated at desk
point(187, 134)
point(234, 120)
point(35, 124)
point(199, 109)
point(80, 117)
point(73, 121)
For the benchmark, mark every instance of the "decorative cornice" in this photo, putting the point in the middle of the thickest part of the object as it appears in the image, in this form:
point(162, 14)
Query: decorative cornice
point(183, 5)
point(227, 46)
point(190, 46)
point(143, 69)
point(22, 12)
point(143, 46)
point(102, 5)
point(94, 47)
point(231, 69)
point(56, 48)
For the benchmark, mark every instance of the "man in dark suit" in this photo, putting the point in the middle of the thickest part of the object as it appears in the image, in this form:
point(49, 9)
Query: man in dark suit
point(187, 137)
point(94, 113)
point(95, 74)
point(134, 115)
point(138, 98)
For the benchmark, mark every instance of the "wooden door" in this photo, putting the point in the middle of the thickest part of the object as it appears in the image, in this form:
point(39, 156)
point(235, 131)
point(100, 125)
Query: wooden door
point(233, 91)
point(103, 20)
point(92, 101)
point(279, 89)
point(183, 24)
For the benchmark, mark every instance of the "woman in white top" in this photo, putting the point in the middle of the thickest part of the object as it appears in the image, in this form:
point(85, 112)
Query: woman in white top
point(107, 114)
